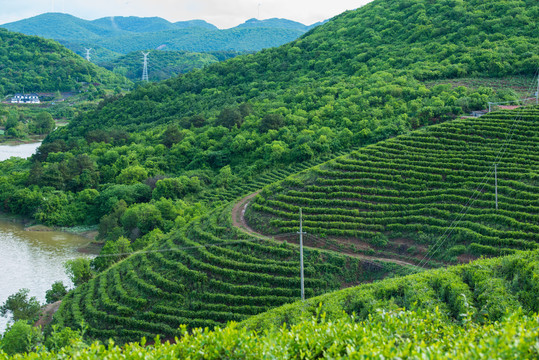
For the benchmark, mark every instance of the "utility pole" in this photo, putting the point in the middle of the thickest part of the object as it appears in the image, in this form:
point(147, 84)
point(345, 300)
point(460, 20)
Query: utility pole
point(301, 254)
point(537, 92)
point(489, 106)
point(88, 53)
point(496, 183)
point(145, 69)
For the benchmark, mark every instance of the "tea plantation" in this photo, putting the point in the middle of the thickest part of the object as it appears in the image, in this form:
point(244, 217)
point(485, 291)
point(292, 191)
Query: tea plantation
point(429, 196)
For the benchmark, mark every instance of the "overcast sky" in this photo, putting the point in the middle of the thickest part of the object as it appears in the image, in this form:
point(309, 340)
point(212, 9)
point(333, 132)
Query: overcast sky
point(222, 13)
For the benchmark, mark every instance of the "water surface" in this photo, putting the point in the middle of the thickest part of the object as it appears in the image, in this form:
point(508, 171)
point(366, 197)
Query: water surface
point(33, 260)
point(21, 150)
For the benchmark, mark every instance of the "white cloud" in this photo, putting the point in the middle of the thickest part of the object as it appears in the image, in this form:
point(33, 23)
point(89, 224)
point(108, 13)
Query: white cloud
point(223, 14)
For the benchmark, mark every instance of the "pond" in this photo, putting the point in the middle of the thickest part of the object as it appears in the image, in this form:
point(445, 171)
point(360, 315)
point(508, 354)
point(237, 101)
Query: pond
point(19, 150)
point(33, 260)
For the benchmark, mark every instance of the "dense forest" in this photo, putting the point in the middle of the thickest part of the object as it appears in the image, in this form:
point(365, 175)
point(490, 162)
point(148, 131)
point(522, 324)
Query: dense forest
point(163, 65)
point(158, 167)
point(33, 64)
point(236, 119)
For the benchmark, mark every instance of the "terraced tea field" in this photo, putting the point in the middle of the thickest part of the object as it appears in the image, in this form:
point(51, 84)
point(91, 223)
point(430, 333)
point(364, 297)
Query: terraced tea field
point(206, 275)
point(427, 197)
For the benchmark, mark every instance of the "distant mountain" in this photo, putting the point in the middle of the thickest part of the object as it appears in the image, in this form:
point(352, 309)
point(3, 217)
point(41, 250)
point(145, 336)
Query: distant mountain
point(134, 24)
point(126, 34)
point(61, 27)
point(195, 24)
point(112, 37)
point(273, 23)
point(33, 64)
point(201, 40)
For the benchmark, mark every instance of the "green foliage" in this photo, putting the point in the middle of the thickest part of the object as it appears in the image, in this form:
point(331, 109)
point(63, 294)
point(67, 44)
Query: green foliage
point(56, 293)
point(182, 278)
point(35, 64)
point(21, 306)
point(163, 64)
point(409, 190)
point(78, 270)
point(63, 338)
point(483, 291)
point(176, 188)
point(44, 123)
point(20, 338)
point(395, 333)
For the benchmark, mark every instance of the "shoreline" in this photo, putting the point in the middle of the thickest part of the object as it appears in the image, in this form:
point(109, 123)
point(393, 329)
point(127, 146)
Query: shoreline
point(15, 142)
point(92, 247)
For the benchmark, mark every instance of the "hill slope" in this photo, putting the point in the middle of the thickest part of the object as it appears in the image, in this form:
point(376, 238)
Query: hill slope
point(427, 195)
point(163, 65)
point(205, 275)
point(340, 86)
point(35, 64)
point(481, 310)
point(483, 291)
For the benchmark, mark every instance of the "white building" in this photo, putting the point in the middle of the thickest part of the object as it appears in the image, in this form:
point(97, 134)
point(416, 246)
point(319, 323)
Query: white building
point(25, 99)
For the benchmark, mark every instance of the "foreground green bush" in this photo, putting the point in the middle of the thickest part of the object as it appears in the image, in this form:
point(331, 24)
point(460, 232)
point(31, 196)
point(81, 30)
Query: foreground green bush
point(384, 335)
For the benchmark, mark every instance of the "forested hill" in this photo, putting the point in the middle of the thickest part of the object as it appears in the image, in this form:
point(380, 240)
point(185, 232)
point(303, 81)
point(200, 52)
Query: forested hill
point(164, 64)
point(359, 68)
point(31, 63)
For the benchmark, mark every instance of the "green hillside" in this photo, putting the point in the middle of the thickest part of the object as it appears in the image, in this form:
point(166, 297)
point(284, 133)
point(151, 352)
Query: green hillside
point(202, 40)
point(60, 27)
point(483, 310)
point(34, 64)
point(427, 195)
point(484, 291)
point(158, 167)
point(206, 274)
point(98, 54)
point(163, 64)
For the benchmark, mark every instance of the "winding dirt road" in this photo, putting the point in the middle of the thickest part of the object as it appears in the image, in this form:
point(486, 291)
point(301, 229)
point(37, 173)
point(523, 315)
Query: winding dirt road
point(238, 220)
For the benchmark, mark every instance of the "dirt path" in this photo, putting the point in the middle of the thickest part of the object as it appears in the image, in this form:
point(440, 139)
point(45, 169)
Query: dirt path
point(238, 216)
point(47, 312)
point(238, 220)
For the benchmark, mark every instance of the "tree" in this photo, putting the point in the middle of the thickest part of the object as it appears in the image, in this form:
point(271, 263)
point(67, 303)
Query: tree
point(56, 293)
point(132, 175)
point(21, 306)
point(171, 136)
point(271, 121)
point(20, 337)
point(78, 270)
point(44, 123)
point(229, 117)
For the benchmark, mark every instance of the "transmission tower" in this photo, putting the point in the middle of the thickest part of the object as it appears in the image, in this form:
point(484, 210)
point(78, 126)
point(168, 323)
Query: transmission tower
point(145, 69)
point(88, 54)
